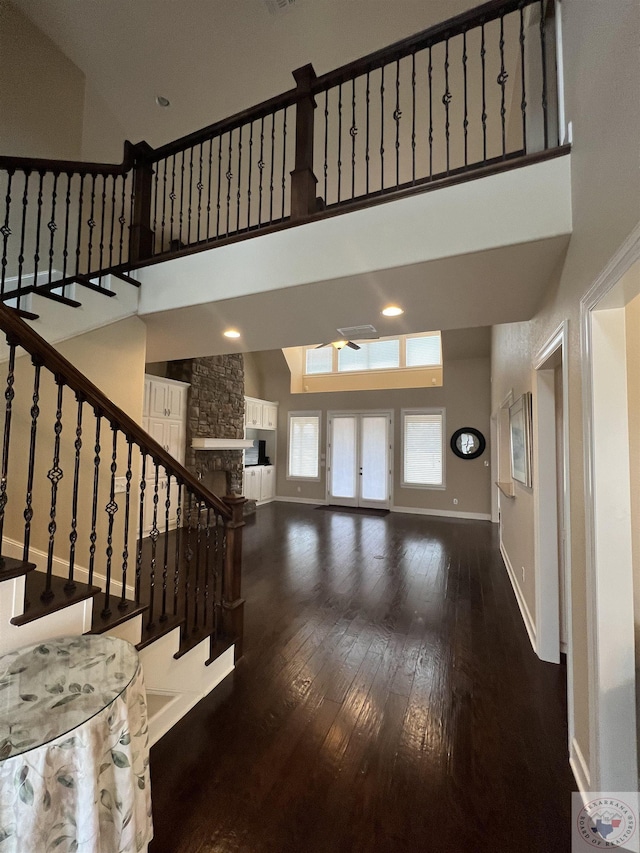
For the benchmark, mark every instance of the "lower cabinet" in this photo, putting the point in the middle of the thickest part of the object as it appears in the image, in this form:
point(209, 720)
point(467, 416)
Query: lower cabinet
point(260, 483)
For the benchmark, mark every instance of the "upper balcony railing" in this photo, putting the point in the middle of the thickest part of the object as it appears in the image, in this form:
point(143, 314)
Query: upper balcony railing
point(473, 94)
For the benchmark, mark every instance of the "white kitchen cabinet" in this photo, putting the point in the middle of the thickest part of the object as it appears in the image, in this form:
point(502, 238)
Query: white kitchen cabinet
point(269, 416)
point(165, 398)
point(253, 482)
point(268, 483)
point(260, 414)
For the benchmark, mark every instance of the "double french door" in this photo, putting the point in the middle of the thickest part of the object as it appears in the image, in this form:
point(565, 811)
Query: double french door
point(359, 459)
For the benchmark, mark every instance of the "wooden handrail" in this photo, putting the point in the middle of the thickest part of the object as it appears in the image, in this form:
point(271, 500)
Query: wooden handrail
point(75, 167)
point(437, 33)
point(23, 335)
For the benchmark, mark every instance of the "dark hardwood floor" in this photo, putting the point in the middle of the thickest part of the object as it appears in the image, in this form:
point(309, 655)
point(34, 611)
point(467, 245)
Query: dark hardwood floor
point(388, 700)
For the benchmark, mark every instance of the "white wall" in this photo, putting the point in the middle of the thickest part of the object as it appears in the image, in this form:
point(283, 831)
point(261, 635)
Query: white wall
point(602, 68)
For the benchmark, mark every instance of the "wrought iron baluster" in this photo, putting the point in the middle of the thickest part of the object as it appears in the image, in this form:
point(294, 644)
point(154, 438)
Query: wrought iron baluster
point(121, 219)
point(430, 73)
point(35, 412)
point(208, 232)
point(79, 235)
point(190, 196)
point(9, 394)
point(6, 230)
point(261, 170)
point(229, 176)
point(55, 474)
point(172, 196)
point(123, 605)
point(143, 486)
point(155, 204)
point(163, 221)
point(93, 536)
point(36, 256)
point(113, 218)
point(502, 82)
point(208, 572)
point(465, 122)
point(397, 115)
point(25, 203)
point(102, 217)
point(273, 162)
point(176, 568)
point(238, 191)
point(339, 163)
point(91, 221)
point(165, 562)
point(73, 535)
point(382, 127)
point(196, 596)
point(219, 185)
point(111, 509)
point(153, 536)
point(199, 187)
point(188, 554)
point(326, 144)
point(353, 132)
point(284, 157)
point(543, 56)
point(181, 211)
point(65, 248)
point(249, 176)
point(483, 53)
point(52, 225)
point(216, 572)
point(446, 100)
point(367, 156)
point(413, 117)
point(523, 100)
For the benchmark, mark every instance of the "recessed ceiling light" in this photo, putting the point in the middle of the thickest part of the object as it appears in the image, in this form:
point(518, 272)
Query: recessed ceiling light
point(392, 311)
point(231, 333)
point(161, 101)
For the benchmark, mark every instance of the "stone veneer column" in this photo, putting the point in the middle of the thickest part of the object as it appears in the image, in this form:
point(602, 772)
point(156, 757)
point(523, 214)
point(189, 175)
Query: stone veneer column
point(215, 409)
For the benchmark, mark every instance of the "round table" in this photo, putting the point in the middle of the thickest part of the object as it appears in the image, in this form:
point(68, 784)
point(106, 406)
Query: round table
point(74, 748)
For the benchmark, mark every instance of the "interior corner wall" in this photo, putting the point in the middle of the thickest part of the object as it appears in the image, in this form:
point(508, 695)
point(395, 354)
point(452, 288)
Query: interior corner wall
point(600, 58)
point(41, 95)
point(253, 381)
point(466, 396)
point(102, 134)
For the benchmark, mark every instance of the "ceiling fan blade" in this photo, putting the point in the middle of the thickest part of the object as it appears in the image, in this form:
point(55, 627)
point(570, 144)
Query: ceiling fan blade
point(352, 345)
point(323, 345)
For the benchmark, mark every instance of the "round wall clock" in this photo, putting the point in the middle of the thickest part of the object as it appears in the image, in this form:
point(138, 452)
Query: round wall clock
point(468, 443)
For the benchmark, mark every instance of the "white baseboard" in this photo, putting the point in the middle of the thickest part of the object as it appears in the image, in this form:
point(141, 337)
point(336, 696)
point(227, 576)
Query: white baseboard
point(529, 624)
point(442, 513)
point(61, 567)
point(579, 766)
point(311, 501)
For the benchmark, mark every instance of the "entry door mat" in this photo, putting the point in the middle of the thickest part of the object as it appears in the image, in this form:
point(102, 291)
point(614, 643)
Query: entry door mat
point(355, 510)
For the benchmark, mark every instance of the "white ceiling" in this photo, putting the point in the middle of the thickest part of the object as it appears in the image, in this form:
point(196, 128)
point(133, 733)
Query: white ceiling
point(213, 58)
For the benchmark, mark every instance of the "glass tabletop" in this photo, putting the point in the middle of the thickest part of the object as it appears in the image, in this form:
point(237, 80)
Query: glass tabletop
point(48, 689)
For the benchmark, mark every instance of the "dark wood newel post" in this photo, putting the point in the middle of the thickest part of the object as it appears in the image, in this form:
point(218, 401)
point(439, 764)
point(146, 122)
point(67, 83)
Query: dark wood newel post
point(233, 604)
point(141, 238)
point(303, 181)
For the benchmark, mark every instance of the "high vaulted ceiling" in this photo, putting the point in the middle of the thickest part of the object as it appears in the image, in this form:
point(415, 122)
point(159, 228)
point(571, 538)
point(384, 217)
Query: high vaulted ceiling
point(212, 58)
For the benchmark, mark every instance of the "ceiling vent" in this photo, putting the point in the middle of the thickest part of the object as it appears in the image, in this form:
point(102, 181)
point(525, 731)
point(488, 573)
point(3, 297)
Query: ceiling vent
point(278, 7)
point(358, 333)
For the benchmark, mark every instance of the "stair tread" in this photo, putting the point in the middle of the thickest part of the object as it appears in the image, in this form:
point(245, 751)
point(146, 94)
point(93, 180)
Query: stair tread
point(12, 568)
point(193, 639)
point(159, 629)
point(35, 607)
point(118, 615)
point(218, 647)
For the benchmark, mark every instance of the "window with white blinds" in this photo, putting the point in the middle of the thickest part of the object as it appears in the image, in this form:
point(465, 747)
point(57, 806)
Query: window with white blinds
point(391, 353)
point(319, 360)
point(377, 355)
point(304, 446)
point(423, 350)
point(423, 448)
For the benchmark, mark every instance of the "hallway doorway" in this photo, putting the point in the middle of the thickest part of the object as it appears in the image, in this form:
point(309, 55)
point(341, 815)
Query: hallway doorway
point(359, 459)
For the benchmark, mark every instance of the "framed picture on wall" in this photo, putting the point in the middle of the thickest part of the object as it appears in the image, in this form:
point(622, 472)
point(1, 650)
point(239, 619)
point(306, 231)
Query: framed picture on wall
point(520, 430)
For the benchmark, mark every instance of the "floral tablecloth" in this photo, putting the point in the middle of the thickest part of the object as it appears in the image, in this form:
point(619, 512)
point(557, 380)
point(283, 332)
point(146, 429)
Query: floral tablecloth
point(74, 748)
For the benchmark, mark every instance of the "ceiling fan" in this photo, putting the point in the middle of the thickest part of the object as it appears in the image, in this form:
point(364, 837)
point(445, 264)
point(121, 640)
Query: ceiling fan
point(339, 345)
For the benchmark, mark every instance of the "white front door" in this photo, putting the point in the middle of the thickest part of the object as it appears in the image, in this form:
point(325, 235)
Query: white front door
point(359, 453)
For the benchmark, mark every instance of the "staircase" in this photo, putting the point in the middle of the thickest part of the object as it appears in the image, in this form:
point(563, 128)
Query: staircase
point(73, 487)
